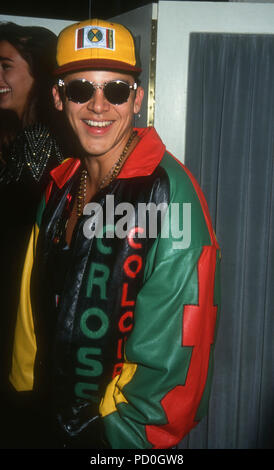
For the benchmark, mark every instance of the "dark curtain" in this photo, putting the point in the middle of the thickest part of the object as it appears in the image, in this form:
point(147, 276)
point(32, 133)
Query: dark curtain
point(230, 148)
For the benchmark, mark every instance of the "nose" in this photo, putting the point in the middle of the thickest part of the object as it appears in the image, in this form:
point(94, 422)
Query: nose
point(98, 103)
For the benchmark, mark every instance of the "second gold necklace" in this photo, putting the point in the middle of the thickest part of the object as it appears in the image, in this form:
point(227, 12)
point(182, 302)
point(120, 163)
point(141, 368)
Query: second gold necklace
point(110, 176)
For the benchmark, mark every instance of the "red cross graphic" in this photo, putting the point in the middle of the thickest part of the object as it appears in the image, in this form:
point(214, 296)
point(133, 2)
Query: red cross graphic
point(181, 403)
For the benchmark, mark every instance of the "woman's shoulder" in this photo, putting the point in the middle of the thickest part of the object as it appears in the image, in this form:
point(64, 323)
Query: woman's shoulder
point(33, 150)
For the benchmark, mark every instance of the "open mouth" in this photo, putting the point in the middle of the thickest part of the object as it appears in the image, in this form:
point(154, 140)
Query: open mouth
point(4, 90)
point(98, 124)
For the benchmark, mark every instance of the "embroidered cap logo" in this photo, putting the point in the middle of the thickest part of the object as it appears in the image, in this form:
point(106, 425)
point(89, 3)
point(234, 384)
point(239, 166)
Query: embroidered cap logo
point(94, 37)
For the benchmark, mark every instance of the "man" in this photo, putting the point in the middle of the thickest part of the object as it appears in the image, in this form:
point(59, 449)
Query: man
point(117, 317)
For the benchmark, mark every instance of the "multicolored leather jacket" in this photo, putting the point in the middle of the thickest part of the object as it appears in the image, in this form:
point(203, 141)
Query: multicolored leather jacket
point(130, 343)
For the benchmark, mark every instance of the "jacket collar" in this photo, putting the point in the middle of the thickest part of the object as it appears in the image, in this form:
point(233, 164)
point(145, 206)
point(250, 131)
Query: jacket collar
point(141, 162)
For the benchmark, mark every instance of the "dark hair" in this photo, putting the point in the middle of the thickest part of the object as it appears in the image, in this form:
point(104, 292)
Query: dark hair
point(37, 46)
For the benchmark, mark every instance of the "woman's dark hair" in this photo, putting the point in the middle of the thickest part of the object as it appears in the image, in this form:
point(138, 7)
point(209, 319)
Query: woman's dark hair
point(37, 46)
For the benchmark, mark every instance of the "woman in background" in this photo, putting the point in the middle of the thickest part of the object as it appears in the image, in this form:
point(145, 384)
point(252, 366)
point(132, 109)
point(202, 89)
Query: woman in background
point(28, 151)
point(28, 143)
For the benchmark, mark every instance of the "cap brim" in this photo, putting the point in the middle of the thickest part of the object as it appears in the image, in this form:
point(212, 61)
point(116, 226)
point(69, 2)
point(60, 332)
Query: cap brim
point(96, 64)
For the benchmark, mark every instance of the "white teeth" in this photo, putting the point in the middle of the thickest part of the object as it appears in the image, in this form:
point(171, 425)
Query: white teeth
point(97, 123)
point(5, 90)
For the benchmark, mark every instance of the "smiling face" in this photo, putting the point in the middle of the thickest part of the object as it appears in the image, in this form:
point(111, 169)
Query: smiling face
point(15, 79)
point(101, 127)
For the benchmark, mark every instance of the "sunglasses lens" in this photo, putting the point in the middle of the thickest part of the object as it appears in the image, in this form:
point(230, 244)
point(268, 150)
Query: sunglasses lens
point(117, 92)
point(79, 92)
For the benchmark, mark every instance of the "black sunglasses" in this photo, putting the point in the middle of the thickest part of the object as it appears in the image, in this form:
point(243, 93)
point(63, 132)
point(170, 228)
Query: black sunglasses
point(81, 91)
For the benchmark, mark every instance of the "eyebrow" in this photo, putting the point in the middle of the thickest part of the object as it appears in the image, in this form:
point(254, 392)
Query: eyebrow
point(5, 58)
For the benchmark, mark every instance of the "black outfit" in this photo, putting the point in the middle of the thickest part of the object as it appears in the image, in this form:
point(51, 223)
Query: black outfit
point(23, 179)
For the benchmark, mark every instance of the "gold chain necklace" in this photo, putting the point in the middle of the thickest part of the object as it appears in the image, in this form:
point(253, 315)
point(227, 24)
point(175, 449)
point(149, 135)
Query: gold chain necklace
point(110, 176)
point(82, 191)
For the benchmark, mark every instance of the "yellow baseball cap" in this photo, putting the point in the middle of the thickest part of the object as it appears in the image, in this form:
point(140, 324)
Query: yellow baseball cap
point(96, 44)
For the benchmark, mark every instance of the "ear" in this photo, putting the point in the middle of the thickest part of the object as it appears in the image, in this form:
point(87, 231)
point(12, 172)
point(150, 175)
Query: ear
point(138, 99)
point(56, 98)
